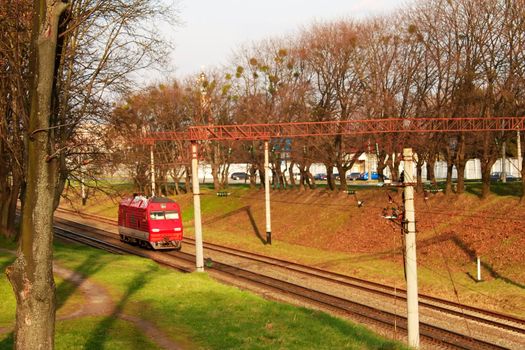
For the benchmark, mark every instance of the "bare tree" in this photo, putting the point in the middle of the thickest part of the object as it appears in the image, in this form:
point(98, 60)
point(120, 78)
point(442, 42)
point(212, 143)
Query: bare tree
point(31, 275)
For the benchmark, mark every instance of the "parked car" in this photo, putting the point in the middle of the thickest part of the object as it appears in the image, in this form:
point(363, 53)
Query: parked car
point(353, 176)
point(375, 176)
point(239, 176)
point(320, 176)
point(496, 176)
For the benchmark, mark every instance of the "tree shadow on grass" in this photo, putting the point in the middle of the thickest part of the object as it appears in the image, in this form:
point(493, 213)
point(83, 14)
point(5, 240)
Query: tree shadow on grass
point(361, 336)
point(100, 335)
point(452, 237)
point(248, 211)
point(513, 189)
point(8, 342)
point(387, 253)
point(472, 255)
point(91, 265)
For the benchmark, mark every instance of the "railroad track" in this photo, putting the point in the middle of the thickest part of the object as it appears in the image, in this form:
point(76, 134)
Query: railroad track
point(79, 233)
point(442, 305)
point(362, 312)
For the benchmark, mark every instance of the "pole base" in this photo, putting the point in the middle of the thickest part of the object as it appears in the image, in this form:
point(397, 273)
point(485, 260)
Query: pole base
point(269, 238)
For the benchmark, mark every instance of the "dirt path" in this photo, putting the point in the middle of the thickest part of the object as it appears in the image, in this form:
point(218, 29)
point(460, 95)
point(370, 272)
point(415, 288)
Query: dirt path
point(99, 303)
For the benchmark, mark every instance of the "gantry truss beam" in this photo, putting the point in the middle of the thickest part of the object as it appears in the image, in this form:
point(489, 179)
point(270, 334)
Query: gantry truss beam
point(347, 127)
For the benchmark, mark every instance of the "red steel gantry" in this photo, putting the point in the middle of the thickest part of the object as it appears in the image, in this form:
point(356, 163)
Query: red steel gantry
point(346, 127)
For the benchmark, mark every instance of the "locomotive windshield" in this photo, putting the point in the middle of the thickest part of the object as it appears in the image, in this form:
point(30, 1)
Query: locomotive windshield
point(164, 215)
point(172, 215)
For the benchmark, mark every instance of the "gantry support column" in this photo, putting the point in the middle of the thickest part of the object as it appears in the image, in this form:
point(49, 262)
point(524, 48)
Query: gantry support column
point(152, 169)
point(199, 256)
point(520, 159)
point(267, 194)
point(410, 251)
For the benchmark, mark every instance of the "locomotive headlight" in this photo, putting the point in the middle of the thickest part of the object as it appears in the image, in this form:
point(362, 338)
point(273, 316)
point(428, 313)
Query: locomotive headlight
point(177, 229)
point(155, 230)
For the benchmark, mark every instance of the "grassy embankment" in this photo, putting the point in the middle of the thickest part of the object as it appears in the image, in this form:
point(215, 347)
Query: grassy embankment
point(329, 230)
point(192, 309)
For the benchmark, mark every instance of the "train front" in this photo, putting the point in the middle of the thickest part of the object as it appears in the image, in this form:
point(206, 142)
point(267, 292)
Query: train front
point(165, 224)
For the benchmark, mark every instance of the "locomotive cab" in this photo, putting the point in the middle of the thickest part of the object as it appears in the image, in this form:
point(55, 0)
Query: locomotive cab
point(151, 222)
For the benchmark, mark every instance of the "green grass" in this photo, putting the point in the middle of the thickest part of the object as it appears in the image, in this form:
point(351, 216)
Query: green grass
point(379, 266)
point(68, 300)
point(193, 309)
point(86, 333)
point(499, 188)
point(7, 305)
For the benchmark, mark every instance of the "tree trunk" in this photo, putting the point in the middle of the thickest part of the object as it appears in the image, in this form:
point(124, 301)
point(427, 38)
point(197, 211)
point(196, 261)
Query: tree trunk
point(342, 177)
point(419, 172)
point(431, 174)
point(487, 160)
point(460, 166)
point(278, 175)
point(485, 181)
point(522, 147)
point(13, 201)
point(31, 274)
point(448, 184)
point(450, 167)
point(253, 176)
point(215, 176)
point(381, 164)
point(262, 174)
point(330, 181)
point(393, 164)
point(187, 178)
point(291, 175)
point(461, 163)
point(419, 177)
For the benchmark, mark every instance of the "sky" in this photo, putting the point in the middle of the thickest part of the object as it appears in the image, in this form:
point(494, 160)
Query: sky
point(211, 30)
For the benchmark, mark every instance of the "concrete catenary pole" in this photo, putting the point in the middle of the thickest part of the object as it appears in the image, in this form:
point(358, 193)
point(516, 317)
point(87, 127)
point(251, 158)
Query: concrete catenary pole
point(152, 170)
point(504, 162)
point(199, 256)
point(267, 194)
point(410, 251)
point(520, 159)
point(369, 162)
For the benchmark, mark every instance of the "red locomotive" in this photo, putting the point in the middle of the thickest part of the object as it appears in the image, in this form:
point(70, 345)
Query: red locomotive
point(153, 222)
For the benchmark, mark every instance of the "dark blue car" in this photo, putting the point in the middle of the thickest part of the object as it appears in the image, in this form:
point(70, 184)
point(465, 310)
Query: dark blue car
point(375, 176)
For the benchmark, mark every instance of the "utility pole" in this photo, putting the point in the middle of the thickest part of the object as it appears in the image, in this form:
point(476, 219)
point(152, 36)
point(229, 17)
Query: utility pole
point(267, 194)
point(199, 256)
point(152, 170)
point(410, 251)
